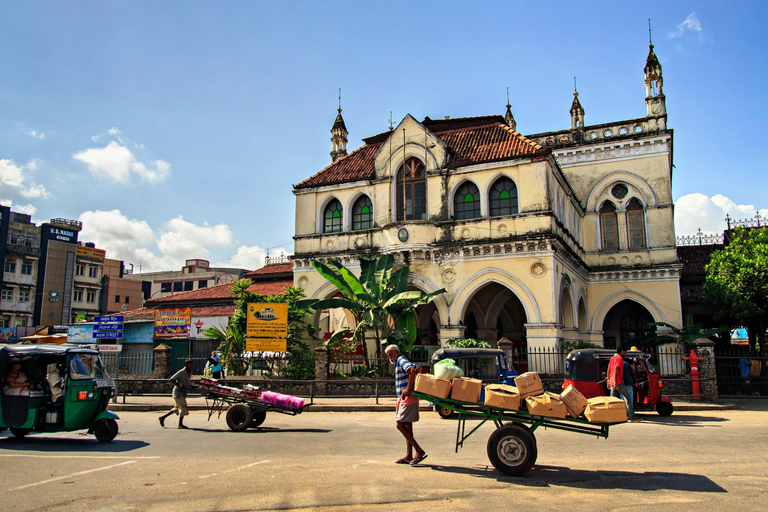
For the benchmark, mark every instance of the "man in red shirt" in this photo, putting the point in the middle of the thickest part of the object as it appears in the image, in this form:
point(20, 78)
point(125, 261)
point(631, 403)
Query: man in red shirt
point(617, 383)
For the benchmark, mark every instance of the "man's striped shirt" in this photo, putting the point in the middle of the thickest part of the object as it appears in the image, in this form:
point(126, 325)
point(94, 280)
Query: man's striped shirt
point(402, 367)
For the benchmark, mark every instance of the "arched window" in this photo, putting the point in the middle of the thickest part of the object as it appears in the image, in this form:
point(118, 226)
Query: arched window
point(362, 213)
point(609, 227)
point(466, 202)
point(411, 191)
point(332, 217)
point(503, 197)
point(636, 224)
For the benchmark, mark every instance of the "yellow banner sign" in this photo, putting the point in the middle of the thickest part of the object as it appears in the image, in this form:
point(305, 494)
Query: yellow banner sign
point(91, 252)
point(267, 320)
point(265, 345)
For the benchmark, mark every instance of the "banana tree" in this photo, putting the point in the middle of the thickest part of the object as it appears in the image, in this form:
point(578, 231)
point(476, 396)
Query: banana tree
point(378, 300)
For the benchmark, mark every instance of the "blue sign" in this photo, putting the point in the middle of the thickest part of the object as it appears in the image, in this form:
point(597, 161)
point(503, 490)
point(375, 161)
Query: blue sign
point(109, 327)
point(104, 319)
point(116, 334)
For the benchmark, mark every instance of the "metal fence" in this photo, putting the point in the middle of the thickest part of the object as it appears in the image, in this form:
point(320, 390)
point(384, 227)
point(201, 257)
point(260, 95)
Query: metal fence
point(741, 374)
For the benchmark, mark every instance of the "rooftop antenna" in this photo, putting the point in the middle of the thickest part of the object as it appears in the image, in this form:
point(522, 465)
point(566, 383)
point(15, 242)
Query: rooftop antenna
point(508, 105)
point(339, 100)
point(390, 121)
point(574, 85)
point(650, 40)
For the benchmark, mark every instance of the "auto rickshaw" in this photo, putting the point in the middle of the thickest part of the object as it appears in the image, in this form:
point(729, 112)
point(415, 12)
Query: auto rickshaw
point(55, 388)
point(587, 369)
point(477, 363)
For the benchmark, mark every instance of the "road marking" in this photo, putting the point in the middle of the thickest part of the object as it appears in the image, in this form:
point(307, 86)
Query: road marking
point(73, 474)
point(236, 469)
point(77, 456)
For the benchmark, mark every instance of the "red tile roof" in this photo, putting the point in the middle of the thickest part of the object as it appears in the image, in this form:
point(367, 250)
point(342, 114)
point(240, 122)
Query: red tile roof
point(220, 292)
point(149, 313)
point(276, 268)
point(470, 140)
point(696, 257)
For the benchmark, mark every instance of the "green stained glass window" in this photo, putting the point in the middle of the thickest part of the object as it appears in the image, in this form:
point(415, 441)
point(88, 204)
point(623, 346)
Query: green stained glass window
point(333, 217)
point(466, 203)
point(362, 213)
point(503, 197)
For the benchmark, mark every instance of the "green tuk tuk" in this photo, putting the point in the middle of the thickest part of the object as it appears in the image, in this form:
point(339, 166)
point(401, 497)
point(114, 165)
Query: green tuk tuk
point(55, 388)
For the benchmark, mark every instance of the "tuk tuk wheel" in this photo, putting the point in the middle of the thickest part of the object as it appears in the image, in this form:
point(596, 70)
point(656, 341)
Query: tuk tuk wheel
point(445, 412)
point(105, 430)
point(20, 432)
point(239, 417)
point(258, 418)
point(512, 449)
point(664, 408)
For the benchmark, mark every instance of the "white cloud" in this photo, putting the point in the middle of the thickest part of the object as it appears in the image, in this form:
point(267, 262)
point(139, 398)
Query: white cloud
point(252, 257)
point(21, 208)
point(690, 24)
point(34, 133)
point(12, 177)
point(118, 162)
point(134, 241)
point(699, 211)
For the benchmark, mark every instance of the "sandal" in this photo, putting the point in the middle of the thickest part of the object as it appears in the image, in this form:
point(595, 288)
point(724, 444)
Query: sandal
point(403, 461)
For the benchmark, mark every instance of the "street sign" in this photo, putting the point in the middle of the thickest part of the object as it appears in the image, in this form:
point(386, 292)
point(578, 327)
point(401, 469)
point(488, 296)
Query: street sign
point(108, 327)
point(267, 320)
point(265, 345)
point(108, 334)
point(106, 319)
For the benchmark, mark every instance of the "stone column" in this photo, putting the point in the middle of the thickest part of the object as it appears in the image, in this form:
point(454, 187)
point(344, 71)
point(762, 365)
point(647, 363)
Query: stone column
point(488, 335)
point(162, 362)
point(322, 363)
point(451, 332)
point(705, 348)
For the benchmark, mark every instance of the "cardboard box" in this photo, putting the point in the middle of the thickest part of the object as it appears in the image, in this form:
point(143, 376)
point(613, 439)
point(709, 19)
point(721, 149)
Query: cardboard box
point(548, 405)
point(466, 390)
point(502, 396)
point(605, 409)
point(574, 401)
point(529, 384)
point(431, 385)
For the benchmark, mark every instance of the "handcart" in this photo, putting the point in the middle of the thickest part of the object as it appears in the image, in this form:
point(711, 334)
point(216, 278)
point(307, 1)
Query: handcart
point(244, 412)
point(512, 446)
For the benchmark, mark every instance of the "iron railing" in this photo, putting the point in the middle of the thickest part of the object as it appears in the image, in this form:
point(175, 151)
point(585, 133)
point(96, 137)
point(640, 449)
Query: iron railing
point(738, 378)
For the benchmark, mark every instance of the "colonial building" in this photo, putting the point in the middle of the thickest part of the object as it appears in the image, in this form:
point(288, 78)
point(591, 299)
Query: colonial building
point(567, 234)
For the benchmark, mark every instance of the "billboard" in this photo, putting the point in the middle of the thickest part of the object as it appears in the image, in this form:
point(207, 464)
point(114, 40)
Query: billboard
point(91, 253)
point(267, 320)
point(172, 323)
point(7, 334)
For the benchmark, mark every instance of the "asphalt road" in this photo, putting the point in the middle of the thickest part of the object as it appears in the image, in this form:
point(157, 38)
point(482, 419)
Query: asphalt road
point(345, 461)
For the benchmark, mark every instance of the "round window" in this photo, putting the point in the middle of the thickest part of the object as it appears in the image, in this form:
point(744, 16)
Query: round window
point(607, 133)
point(619, 191)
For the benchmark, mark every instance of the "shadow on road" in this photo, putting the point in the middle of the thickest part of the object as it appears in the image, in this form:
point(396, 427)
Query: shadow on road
point(688, 420)
point(86, 444)
point(545, 476)
point(265, 430)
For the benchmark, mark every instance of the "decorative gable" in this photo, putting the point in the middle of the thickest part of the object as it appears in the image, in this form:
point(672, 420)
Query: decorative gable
point(409, 139)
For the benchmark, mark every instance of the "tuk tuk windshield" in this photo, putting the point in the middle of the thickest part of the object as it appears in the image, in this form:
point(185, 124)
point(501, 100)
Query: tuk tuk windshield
point(86, 366)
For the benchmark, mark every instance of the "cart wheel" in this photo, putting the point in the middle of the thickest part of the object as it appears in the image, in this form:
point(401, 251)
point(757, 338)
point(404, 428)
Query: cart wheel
point(239, 417)
point(512, 449)
point(105, 430)
point(20, 432)
point(258, 418)
point(445, 412)
point(664, 408)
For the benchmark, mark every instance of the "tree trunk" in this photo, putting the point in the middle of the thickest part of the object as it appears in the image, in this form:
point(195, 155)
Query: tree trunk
point(365, 350)
point(752, 337)
point(761, 336)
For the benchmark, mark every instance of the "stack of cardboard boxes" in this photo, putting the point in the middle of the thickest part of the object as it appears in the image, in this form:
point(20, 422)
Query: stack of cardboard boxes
point(528, 389)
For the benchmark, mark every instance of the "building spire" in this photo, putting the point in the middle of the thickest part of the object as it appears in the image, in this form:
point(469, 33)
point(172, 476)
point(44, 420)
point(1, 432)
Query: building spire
point(508, 117)
point(655, 101)
point(577, 111)
point(339, 135)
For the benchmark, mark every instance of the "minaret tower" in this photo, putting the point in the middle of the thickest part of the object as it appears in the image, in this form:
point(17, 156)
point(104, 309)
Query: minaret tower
point(339, 136)
point(508, 117)
point(577, 111)
point(655, 102)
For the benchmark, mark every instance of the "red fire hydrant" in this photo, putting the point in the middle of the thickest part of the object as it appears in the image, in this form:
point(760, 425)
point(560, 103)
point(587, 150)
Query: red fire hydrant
point(693, 359)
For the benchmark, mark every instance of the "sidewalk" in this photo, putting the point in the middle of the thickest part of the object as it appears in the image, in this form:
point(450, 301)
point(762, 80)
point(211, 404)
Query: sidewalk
point(145, 403)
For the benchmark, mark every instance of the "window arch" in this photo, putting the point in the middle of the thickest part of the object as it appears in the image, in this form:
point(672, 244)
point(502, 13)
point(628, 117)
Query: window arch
point(636, 224)
point(332, 217)
point(362, 213)
point(466, 202)
point(609, 227)
point(503, 197)
point(412, 191)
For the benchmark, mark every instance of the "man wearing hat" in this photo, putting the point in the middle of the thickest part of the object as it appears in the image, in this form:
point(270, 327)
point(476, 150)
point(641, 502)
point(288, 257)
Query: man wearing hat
point(181, 382)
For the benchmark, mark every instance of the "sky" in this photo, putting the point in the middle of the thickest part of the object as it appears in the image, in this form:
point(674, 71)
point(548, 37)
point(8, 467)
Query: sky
point(176, 129)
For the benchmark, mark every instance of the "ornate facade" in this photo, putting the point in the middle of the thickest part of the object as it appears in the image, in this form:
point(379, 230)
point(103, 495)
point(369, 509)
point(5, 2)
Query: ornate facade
point(560, 235)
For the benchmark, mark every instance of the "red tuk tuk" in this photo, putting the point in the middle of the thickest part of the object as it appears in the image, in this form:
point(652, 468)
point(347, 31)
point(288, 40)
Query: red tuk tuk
point(586, 369)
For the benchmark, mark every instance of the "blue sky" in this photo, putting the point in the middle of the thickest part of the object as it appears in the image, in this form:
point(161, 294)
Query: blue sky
point(176, 130)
